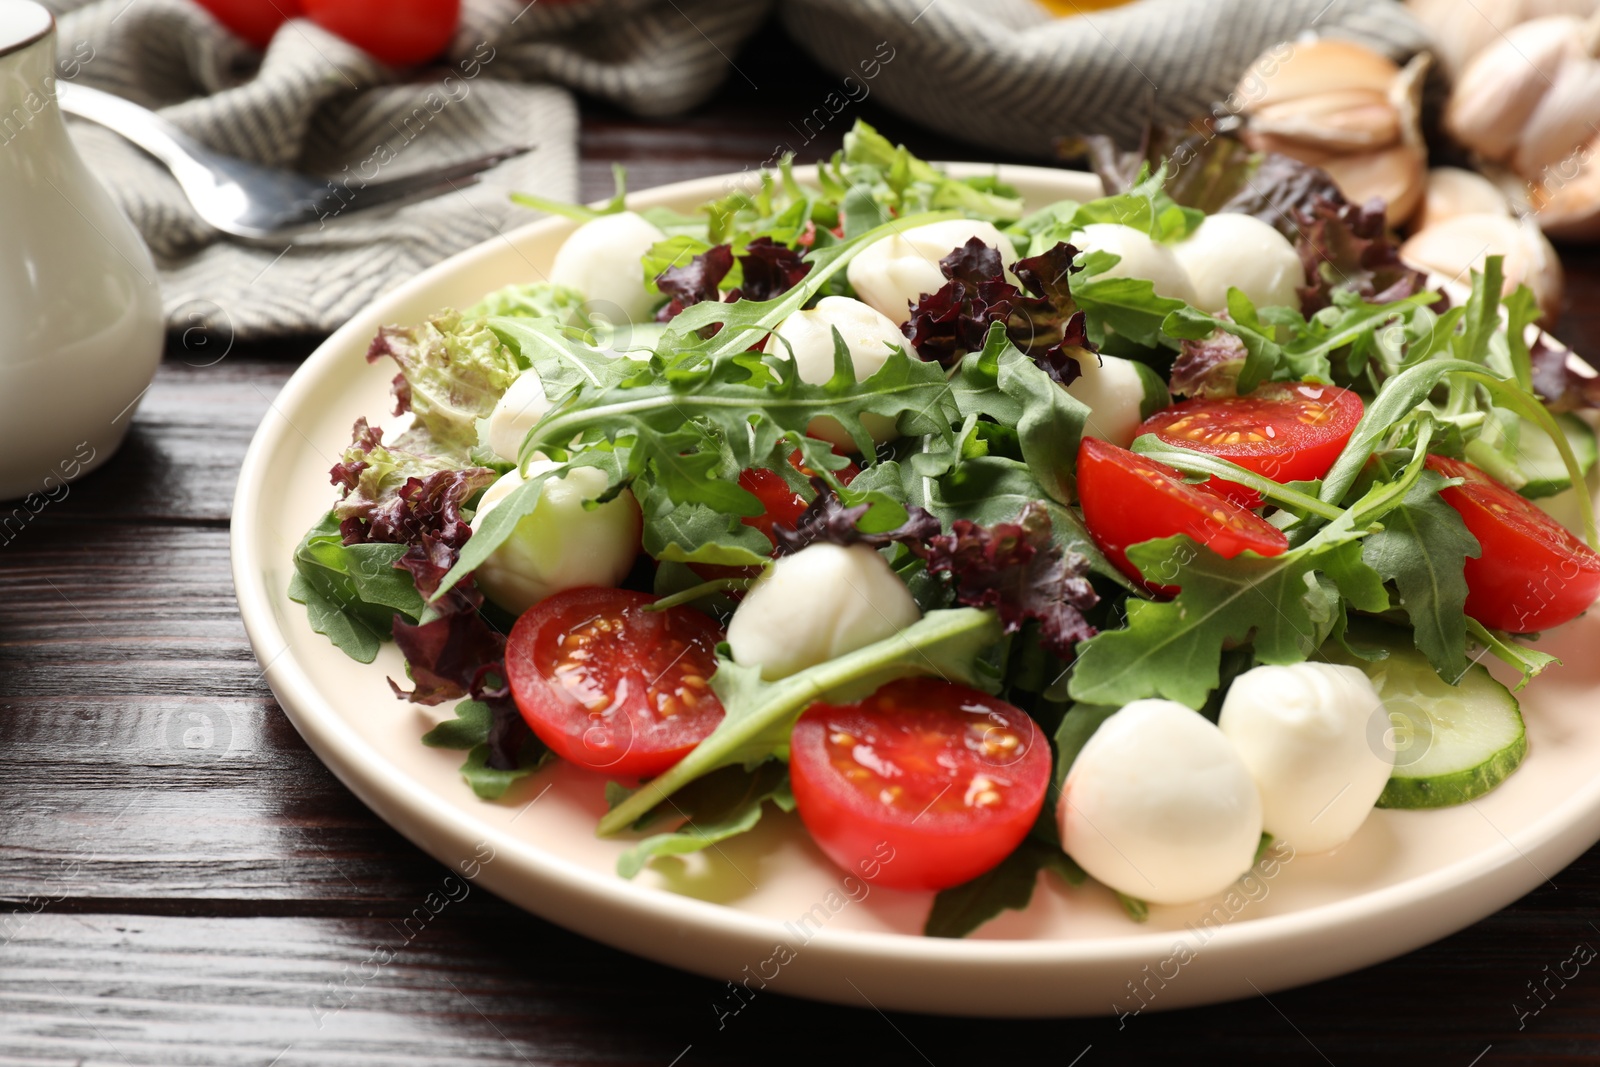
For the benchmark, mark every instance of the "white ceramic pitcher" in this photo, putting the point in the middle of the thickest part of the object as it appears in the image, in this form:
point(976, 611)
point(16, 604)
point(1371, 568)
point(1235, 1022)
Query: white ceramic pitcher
point(80, 311)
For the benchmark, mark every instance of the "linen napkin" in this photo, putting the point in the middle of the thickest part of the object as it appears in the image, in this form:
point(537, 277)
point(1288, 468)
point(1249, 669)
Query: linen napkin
point(316, 104)
point(1007, 74)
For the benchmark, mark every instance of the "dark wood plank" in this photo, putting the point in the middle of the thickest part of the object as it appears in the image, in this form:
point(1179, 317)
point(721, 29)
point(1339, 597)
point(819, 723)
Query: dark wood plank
point(499, 987)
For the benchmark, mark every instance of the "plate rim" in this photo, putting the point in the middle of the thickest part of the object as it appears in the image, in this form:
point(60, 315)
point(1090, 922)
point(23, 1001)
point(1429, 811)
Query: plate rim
point(383, 788)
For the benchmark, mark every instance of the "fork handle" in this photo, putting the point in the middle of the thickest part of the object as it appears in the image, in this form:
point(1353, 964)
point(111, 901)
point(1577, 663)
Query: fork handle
point(138, 124)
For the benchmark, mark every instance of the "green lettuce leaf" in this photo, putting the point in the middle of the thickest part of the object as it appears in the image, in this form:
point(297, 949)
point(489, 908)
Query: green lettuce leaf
point(530, 300)
point(351, 592)
point(453, 370)
point(470, 730)
point(958, 911)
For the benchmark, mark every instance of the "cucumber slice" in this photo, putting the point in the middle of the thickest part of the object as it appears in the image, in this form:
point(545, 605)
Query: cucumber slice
point(1453, 743)
point(1538, 459)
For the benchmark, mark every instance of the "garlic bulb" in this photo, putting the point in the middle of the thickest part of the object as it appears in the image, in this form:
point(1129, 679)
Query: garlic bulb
point(1460, 32)
point(1451, 191)
point(1458, 245)
point(1347, 109)
point(1531, 98)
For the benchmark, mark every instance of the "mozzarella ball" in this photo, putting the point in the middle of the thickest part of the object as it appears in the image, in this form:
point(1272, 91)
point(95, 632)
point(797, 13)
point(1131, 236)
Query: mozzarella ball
point(1114, 393)
point(1159, 806)
point(819, 603)
point(868, 335)
point(1244, 253)
point(1312, 735)
point(559, 544)
point(601, 259)
point(513, 416)
point(893, 273)
point(1142, 257)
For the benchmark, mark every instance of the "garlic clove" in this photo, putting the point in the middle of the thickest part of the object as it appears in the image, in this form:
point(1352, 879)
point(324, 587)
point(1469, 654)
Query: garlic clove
point(1460, 31)
point(1500, 88)
point(1284, 146)
point(1457, 246)
point(1342, 120)
point(1567, 116)
point(1566, 199)
point(1396, 175)
point(1452, 191)
point(1323, 65)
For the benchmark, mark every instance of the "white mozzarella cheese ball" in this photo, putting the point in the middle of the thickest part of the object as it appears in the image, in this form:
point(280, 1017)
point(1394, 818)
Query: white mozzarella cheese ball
point(1313, 737)
point(559, 544)
point(869, 336)
point(513, 416)
point(1142, 257)
point(1159, 806)
point(1114, 393)
point(895, 272)
point(601, 259)
point(815, 605)
point(1244, 253)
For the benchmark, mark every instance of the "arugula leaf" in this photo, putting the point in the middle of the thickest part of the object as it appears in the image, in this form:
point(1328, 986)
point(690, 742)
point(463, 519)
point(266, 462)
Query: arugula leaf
point(470, 729)
point(759, 715)
point(1173, 649)
point(1422, 548)
point(1530, 661)
point(694, 533)
point(961, 909)
point(991, 489)
point(1125, 306)
point(721, 805)
point(1002, 383)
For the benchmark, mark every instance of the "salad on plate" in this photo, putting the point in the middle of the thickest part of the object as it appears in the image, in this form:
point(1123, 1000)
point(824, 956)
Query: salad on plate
point(1119, 539)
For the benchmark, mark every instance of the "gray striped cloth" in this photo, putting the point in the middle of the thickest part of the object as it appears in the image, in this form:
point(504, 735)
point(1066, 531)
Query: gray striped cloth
point(314, 103)
point(1001, 74)
point(1006, 74)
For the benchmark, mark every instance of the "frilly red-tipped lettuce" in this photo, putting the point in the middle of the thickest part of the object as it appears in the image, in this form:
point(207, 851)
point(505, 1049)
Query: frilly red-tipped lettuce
point(453, 370)
point(829, 519)
point(1043, 322)
point(1346, 247)
point(1016, 569)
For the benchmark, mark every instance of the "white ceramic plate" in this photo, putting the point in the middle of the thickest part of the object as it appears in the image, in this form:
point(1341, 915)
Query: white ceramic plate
point(768, 907)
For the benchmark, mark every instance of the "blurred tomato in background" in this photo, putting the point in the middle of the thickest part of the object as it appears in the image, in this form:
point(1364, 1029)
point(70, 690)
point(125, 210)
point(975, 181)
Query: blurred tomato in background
point(400, 33)
point(254, 20)
point(397, 32)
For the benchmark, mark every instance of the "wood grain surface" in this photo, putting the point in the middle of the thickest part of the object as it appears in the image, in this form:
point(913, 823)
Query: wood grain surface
point(182, 882)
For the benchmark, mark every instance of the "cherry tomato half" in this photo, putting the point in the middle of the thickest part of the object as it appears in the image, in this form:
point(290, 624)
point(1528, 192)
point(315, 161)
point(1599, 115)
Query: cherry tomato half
point(1128, 498)
point(783, 506)
point(1286, 431)
point(254, 20)
point(610, 686)
point(1532, 573)
point(923, 785)
point(397, 32)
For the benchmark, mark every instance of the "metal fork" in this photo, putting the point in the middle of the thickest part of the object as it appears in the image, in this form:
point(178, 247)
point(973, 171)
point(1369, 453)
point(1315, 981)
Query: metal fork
point(249, 200)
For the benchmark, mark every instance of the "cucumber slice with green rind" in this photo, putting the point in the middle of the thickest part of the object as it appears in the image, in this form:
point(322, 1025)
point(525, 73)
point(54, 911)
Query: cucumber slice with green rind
point(1538, 459)
point(1452, 743)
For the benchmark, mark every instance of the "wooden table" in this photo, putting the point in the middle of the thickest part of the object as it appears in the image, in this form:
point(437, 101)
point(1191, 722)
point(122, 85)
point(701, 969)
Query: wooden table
point(188, 884)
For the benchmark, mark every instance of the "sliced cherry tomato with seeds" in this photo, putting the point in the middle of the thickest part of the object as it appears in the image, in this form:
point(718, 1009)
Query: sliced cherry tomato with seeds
point(923, 785)
point(1128, 498)
point(1286, 431)
point(610, 686)
point(1532, 573)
